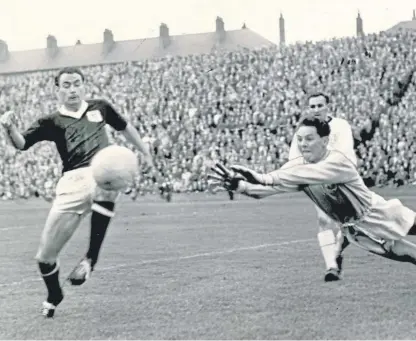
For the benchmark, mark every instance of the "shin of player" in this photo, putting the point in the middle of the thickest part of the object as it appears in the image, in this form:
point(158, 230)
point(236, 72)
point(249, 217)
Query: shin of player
point(103, 208)
point(332, 243)
point(58, 229)
point(102, 213)
point(327, 239)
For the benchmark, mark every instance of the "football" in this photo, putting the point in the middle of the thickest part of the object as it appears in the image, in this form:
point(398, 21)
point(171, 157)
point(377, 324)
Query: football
point(114, 168)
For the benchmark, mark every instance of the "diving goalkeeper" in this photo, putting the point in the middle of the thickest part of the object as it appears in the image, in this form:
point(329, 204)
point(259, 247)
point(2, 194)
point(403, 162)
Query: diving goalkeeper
point(333, 183)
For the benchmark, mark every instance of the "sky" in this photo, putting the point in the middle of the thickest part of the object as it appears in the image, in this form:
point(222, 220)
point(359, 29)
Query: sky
point(25, 24)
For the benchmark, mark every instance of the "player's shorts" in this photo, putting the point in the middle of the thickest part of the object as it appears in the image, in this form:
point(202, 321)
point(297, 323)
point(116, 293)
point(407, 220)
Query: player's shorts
point(76, 191)
point(387, 220)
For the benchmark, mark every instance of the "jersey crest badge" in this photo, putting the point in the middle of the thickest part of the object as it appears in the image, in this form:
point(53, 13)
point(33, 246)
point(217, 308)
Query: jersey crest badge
point(331, 188)
point(94, 116)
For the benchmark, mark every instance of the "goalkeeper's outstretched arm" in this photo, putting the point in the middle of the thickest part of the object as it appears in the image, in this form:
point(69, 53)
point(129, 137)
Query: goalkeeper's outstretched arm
point(261, 191)
point(335, 168)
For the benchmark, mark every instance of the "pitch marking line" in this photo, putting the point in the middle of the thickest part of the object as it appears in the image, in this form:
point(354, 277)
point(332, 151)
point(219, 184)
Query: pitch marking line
point(123, 219)
point(208, 254)
point(18, 227)
point(171, 259)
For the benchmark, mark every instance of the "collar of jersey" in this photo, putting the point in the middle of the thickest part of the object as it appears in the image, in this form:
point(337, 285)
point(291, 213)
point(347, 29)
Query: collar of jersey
point(74, 114)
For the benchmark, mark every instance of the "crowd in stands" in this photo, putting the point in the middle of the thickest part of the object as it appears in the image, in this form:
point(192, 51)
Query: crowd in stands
point(236, 107)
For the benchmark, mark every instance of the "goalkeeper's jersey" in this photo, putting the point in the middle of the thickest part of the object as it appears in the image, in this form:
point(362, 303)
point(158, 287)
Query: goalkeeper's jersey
point(333, 184)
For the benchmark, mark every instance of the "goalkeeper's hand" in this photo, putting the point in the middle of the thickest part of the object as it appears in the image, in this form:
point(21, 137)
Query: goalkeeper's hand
point(248, 174)
point(225, 177)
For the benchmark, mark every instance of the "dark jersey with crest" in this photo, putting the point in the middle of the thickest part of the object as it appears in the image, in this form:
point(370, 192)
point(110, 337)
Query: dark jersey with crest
point(77, 138)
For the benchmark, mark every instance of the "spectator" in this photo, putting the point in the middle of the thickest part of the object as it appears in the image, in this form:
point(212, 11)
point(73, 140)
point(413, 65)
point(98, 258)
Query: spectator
point(242, 111)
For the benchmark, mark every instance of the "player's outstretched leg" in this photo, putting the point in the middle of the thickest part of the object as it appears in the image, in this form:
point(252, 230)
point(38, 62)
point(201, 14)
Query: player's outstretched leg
point(59, 228)
point(102, 213)
point(400, 250)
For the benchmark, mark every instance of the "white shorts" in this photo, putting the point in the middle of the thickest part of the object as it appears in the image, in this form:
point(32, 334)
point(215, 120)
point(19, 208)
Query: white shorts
point(76, 191)
point(387, 220)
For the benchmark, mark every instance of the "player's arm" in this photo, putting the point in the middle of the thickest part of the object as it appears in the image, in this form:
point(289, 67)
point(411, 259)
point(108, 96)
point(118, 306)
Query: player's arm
point(15, 137)
point(132, 135)
point(39, 131)
point(334, 169)
point(261, 191)
point(119, 123)
point(115, 120)
point(294, 151)
point(243, 182)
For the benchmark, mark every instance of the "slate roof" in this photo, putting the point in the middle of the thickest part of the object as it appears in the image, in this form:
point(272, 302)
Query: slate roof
point(407, 25)
point(130, 50)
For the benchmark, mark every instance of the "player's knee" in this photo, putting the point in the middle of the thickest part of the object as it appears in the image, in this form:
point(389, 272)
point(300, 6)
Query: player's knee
point(43, 258)
point(324, 223)
point(59, 228)
point(46, 256)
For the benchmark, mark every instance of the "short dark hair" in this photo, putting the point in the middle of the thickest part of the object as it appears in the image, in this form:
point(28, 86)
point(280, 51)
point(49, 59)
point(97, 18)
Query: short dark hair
point(319, 94)
point(69, 70)
point(322, 127)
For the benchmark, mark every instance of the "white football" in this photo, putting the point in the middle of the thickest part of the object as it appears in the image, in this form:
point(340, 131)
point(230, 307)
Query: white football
point(114, 168)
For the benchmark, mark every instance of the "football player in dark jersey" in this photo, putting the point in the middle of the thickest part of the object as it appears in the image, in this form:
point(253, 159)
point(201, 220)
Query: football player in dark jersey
point(78, 130)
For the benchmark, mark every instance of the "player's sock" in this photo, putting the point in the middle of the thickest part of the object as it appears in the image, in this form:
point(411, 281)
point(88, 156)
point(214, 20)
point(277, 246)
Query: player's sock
point(402, 250)
point(102, 212)
point(50, 275)
point(327, 243)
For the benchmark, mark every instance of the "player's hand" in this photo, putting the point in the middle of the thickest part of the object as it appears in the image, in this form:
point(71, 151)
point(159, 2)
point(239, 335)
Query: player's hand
point(250, 175)
point(225, 177)
point(7, 119)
